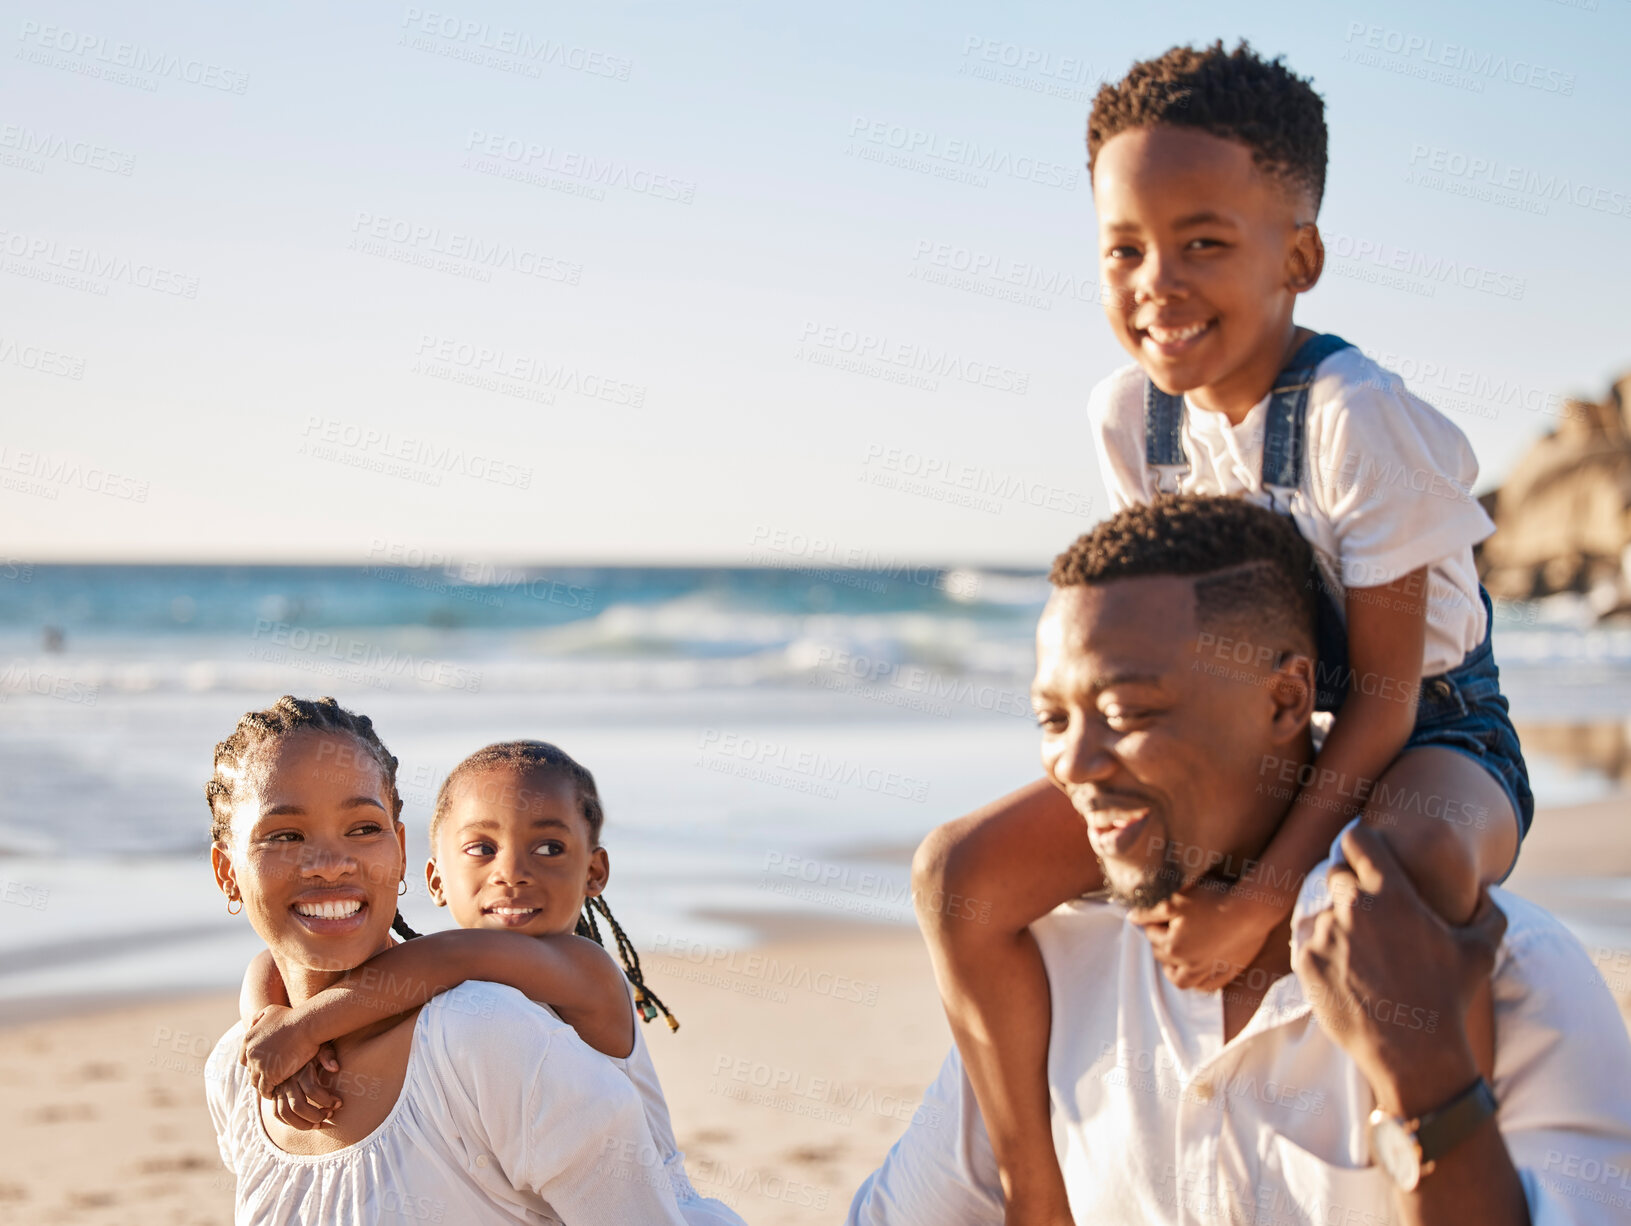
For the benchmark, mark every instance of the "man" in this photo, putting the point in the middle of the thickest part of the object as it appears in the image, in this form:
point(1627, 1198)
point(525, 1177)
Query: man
point(1174, 689)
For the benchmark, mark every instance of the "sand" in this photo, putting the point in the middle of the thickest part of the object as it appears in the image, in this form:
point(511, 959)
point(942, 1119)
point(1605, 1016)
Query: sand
point(797, 1065)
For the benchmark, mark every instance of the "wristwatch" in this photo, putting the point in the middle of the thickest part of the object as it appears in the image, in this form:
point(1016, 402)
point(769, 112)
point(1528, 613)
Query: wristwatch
point(1409, 1149)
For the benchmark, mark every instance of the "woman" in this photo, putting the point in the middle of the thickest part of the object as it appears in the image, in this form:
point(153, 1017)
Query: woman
point(478, 1107)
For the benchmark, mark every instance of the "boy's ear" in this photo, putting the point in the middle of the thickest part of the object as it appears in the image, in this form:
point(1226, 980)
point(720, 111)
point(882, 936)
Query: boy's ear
point(1307, 260)
point(433, 883)
point(600, 872)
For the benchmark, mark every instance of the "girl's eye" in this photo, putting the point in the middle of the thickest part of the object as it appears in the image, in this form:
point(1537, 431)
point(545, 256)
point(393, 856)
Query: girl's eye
point(480, 848)
point(550, 848)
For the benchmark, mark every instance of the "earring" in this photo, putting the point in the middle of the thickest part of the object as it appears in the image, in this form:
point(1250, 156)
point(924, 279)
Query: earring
point(233, 898)
point(402, 887)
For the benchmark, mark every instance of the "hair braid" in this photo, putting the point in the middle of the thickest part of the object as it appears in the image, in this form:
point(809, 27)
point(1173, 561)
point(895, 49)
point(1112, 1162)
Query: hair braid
point(645, 1000)
point(259, 730)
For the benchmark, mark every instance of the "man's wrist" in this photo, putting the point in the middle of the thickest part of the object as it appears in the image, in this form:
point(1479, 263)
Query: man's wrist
point(1411, 1087)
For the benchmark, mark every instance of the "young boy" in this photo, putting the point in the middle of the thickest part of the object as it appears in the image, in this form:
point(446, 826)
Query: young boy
point(1207, 169)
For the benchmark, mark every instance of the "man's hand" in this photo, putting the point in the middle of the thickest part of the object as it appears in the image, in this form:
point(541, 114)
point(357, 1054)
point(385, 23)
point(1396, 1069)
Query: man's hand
point(276, 1046)
point(1206, 935)
point(1390, 982)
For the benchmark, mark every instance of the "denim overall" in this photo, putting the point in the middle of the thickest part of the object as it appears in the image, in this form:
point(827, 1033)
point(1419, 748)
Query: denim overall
point(1463, 709)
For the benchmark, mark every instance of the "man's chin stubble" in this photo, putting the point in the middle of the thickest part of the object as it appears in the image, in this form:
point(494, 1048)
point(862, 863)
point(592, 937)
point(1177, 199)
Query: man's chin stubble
point(1151, 890)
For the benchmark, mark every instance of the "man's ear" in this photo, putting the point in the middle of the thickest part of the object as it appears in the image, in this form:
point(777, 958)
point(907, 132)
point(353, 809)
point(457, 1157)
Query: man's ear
point(433, 883)
point(1307, 259)
point(600, 872)
point(226, 878)
point(1291, 689)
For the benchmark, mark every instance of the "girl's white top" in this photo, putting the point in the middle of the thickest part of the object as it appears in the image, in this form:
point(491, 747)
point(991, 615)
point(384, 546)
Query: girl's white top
point(695, 1209)
point(1385, 489)
point(505, 1115)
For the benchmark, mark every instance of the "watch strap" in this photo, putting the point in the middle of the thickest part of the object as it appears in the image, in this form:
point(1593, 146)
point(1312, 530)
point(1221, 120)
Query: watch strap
point(1440, 1131)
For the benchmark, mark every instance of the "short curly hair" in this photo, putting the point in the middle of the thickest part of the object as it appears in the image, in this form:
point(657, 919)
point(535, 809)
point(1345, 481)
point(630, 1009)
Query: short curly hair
point(1235, 94)
point(1249, 563)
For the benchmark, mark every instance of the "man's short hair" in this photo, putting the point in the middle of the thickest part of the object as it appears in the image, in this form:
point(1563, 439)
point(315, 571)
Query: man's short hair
point(1250, 565)
point(1235, 94)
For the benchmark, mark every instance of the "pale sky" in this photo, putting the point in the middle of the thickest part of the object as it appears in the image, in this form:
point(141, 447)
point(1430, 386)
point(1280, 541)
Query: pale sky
point(616, 282)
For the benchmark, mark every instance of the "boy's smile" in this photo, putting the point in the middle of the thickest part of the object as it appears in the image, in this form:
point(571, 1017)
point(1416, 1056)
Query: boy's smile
point(1204, 254)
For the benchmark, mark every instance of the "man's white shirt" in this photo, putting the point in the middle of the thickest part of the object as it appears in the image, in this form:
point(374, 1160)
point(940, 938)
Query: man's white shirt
point(1157, 1120)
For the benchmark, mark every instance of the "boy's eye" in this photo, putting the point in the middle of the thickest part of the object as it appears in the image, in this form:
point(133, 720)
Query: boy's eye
point(550, 847)
point(1122, 252)
point(1205, 242)
point(481, 847)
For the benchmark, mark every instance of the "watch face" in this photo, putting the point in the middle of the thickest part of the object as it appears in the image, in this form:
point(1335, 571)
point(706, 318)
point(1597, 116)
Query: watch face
point(1397, 1151)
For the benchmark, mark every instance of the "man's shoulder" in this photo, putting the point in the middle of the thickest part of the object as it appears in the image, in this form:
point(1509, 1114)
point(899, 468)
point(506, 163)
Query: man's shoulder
point(1539, 952)
point(1084, 928)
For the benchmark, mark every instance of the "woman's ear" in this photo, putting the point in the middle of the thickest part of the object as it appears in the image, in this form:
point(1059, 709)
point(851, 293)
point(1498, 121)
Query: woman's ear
point(226, 878)
point(600, 871)
point(433, 883)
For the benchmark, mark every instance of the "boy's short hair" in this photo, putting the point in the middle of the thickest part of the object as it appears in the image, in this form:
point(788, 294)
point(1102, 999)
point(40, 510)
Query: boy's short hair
point(1235, 94)
point(1250, 566)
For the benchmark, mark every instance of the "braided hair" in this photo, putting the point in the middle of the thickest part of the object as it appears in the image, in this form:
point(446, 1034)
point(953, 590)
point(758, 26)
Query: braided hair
point(545, 761)
point(259, 730)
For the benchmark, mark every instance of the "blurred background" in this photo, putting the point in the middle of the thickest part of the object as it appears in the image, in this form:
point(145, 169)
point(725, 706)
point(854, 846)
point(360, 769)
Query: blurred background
point(701, 388)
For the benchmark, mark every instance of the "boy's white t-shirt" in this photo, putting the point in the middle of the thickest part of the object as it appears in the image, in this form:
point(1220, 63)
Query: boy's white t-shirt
point(1385, 487)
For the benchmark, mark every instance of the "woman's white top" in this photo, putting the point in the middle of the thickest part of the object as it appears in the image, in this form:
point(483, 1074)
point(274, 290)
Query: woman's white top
point(1386, 487)
point(505, 1116)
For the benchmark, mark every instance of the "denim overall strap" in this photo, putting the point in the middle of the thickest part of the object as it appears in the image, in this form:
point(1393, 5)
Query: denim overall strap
point(1285, 435)
point(1285, 431)
point(1163, 437)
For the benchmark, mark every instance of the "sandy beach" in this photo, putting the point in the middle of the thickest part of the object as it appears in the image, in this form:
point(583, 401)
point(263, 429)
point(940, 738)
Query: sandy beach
point(798, 1063)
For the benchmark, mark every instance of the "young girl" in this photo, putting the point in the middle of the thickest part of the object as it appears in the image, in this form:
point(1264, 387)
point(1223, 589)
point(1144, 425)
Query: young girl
point(1207, 169)
point(516, 857)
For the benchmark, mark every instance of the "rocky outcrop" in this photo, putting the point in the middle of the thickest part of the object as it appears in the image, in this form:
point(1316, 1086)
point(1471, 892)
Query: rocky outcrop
point(1563, 517)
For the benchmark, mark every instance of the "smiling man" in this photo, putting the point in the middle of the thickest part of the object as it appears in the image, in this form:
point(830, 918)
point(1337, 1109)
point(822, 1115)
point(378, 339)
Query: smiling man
point(1333, 1080)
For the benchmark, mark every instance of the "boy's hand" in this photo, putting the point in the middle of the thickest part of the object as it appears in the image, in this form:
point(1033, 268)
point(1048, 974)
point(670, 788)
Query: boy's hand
point(307, 1100)
point(1206, 935)
point(276, 1047)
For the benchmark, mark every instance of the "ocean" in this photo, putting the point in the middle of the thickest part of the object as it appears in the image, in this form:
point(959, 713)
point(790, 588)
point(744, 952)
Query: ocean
point(769, 742)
